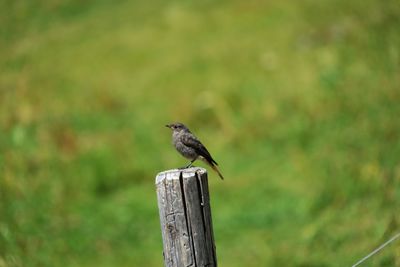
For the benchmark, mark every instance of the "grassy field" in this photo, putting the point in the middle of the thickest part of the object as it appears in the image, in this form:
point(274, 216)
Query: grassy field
point(299, 102)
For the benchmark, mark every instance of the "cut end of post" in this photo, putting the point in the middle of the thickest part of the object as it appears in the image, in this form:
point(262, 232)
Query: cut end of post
point(176, 173)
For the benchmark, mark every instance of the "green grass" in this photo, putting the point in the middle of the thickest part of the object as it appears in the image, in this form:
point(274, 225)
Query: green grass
point(298, 101)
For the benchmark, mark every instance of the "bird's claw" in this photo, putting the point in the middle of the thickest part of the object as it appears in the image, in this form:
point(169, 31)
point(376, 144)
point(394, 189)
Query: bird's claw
point(187, 166)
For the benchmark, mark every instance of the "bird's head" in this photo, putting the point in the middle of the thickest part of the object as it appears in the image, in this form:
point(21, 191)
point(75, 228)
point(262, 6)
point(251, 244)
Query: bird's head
point(177, 126)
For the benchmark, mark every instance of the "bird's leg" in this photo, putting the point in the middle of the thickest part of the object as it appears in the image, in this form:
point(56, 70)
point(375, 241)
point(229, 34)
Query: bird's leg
point(189, 165)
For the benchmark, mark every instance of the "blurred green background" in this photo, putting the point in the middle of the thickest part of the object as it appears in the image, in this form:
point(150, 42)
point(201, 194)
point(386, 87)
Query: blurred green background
point(298, 101)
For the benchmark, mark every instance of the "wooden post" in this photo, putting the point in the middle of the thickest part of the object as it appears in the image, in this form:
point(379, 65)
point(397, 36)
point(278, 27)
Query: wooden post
point(185, 216)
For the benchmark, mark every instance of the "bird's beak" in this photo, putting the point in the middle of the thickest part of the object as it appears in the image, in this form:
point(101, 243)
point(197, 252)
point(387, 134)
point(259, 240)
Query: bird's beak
point(168, 125)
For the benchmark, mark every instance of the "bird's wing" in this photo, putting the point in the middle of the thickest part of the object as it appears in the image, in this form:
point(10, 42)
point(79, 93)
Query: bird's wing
point(191, 141)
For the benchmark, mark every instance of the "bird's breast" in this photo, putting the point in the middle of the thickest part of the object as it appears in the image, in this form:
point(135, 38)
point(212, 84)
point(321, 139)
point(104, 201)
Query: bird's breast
point(186, 151)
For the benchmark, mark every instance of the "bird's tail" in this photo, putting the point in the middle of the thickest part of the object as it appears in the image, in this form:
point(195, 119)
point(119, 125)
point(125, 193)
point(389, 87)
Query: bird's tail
point(213, 165)
point(215, 168)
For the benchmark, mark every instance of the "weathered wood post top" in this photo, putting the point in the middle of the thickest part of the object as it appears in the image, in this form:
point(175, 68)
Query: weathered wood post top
point(185, 216)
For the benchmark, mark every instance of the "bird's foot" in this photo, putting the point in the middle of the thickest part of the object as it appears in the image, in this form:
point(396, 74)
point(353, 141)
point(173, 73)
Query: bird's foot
point(187, 166)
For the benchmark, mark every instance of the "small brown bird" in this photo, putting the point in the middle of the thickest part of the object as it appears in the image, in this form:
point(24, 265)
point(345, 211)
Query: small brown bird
point(190, 147)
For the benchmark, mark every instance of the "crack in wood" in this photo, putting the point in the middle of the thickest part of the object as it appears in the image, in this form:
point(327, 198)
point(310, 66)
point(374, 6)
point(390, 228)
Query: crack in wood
point(187, 219)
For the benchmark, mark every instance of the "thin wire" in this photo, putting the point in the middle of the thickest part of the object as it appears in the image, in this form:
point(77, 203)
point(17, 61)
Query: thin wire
point(377, 250)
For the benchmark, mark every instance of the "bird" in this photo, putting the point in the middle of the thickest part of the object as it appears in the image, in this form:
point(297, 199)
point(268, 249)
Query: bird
point(187, 144)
